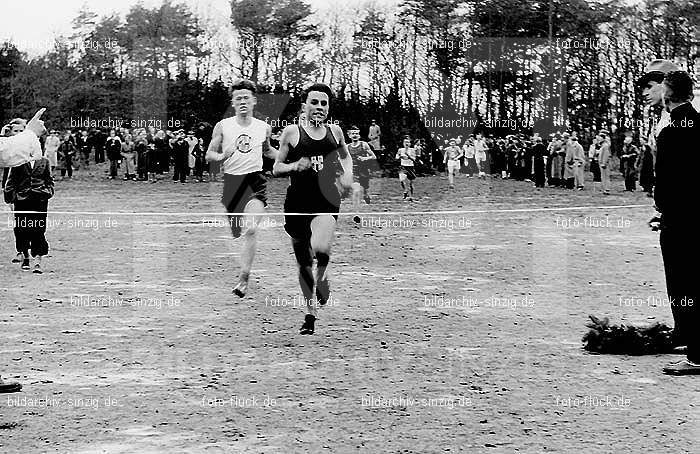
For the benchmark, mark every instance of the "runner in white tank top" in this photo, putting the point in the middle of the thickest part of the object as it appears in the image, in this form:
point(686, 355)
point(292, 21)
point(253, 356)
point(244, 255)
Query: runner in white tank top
point(239, 143)
point(408, 157)
point(244, 145)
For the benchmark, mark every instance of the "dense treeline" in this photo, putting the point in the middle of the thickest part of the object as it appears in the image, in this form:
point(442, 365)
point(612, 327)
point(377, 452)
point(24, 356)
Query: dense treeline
point(495, 65)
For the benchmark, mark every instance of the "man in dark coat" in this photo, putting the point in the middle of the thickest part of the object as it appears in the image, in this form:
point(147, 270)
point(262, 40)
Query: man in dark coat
point(539, 153)
point(677, 199)
point(114, 153)
point(181, 154)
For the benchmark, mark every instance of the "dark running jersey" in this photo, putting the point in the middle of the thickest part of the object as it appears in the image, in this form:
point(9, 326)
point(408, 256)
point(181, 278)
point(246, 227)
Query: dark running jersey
point(314, 188)
point(360, 168)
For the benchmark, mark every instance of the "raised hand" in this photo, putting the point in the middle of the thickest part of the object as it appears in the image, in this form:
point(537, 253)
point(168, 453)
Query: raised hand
point(36, 125)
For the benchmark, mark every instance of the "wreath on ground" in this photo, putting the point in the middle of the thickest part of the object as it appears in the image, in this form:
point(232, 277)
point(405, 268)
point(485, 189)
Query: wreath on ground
point(626, 339)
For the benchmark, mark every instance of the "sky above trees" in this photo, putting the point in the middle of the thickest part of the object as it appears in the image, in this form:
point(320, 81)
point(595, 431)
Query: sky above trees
point(47, 19)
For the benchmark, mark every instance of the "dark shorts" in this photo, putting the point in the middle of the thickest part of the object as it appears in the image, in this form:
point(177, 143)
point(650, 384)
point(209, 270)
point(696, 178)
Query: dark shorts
point(241, 189)
point(299, 226)
point(409, 171)
point(363, 179)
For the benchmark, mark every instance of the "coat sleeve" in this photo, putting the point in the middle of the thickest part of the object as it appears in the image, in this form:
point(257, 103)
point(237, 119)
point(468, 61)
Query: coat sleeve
point(10, 187)
point(48, 179)
point(15, 151)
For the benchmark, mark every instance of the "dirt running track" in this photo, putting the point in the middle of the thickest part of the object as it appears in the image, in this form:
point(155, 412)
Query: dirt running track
point(447, 332)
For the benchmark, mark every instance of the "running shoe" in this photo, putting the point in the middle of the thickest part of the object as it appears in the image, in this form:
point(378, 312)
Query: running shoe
point(37, 269)
point(308, 326)
point(684, 367)
point(18, 258)
point(25, 264)
point(242, 287)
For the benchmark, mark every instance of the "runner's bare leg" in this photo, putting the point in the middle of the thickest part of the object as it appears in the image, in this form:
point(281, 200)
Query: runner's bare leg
point(304, 256)
point(251, 216)
point(322, 236)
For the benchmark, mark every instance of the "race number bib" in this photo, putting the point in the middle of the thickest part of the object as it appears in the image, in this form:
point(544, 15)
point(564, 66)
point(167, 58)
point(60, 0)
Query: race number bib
point(317, 163)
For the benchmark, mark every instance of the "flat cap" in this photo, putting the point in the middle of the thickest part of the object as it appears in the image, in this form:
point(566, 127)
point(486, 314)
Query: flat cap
point(656, 70)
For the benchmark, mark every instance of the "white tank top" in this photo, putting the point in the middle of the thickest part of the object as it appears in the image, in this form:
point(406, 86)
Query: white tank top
point(409, 153)
point(246, 143)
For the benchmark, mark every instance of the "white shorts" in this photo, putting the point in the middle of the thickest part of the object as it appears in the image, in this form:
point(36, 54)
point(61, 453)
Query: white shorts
point(453, 165)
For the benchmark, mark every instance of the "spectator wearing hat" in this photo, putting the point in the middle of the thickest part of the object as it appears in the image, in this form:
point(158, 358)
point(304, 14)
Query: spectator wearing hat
point(652, 94)
point(677, 198)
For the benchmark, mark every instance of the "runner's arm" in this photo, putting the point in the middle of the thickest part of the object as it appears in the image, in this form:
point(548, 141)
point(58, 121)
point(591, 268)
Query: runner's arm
point(346, 179)
point(369, 153)
point(267, 148)
point(215, 153)
point(280, 168)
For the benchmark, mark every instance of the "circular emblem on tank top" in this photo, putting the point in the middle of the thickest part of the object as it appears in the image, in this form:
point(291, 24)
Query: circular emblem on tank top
point(243, 143)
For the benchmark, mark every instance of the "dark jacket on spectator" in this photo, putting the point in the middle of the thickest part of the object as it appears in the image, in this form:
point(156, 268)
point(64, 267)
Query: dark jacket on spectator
point(27, 183)
point(677, 193)
point(114, 148)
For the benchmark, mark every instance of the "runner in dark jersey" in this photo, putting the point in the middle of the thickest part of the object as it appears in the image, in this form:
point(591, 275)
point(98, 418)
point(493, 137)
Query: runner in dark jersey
point(308, 153)
point(361, 152)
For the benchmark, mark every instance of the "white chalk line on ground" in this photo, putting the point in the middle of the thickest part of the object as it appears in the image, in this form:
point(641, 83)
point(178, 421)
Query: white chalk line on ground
point(344, 213)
